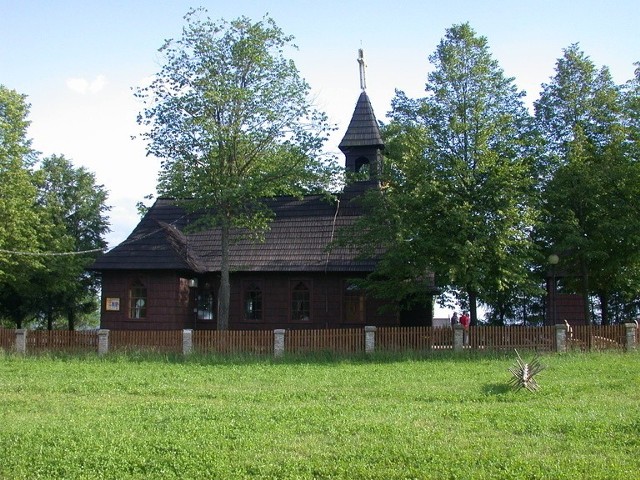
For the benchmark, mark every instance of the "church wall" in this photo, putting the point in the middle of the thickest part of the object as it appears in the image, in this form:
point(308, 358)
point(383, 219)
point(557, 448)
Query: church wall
point(167, 302)
point(171, 303)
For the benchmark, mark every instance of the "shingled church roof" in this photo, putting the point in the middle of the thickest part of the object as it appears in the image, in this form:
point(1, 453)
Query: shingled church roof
point(298, 239)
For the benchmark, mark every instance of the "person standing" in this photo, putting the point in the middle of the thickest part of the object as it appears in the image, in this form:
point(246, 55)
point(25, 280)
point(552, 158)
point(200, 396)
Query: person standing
point(454, 319)
point(465, 320)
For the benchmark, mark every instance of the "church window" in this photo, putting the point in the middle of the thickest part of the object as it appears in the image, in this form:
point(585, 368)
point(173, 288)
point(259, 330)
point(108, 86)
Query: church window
point(137, 300)
point(300, 302)
point(253, 302)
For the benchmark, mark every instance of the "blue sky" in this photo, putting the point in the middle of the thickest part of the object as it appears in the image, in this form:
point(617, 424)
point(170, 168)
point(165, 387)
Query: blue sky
point(78, 60)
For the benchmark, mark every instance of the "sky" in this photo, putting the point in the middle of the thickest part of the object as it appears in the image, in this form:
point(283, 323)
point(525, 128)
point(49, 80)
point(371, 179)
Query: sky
point(78, 61)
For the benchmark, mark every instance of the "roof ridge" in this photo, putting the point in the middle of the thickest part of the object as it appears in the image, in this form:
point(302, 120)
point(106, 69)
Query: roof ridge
point(179, 243)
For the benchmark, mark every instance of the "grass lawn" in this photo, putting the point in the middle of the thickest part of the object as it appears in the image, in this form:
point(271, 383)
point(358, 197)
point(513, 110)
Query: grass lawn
point(145, 416)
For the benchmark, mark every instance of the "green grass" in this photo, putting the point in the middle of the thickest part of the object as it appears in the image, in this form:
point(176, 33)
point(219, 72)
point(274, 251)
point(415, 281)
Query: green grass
point(146, 416)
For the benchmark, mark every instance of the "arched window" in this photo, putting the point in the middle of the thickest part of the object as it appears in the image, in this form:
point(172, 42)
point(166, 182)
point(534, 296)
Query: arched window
point(362, 165)
point(253, 302)
point(300, 302)
point(137, 300)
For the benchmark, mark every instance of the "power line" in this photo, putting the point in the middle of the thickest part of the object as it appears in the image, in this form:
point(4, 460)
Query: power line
point(95, 250)
point(52, 254)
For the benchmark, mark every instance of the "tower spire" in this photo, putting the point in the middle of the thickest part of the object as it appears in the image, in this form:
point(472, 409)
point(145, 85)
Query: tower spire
point(363, 80)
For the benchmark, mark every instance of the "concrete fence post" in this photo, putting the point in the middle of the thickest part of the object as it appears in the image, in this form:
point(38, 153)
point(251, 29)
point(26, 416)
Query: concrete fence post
point(278, 342)
point(630, 343)
point(458, 337)
point(369, 339)
point(561, 338)
point(187, 341)
point(21, 340)
point(103, 341)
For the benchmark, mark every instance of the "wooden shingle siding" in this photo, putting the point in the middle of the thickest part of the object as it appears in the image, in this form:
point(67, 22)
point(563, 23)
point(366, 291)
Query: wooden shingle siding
point(297, 240)
point(363, 130)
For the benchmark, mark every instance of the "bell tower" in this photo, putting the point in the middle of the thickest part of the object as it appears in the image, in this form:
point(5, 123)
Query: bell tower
point(362, 143)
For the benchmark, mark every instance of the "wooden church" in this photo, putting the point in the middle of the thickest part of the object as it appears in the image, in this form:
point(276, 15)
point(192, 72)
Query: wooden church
point(164, 276)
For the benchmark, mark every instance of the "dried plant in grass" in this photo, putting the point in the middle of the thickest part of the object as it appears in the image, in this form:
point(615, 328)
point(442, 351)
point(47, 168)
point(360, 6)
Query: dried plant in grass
point(524, 373)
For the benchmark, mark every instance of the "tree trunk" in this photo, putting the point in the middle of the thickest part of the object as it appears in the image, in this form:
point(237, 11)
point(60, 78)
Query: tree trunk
point(71, 318)
point(604, 308)
point(585, 290)
point(473, 307)
point(430, 310)
point(49, 319)
point(224, 293)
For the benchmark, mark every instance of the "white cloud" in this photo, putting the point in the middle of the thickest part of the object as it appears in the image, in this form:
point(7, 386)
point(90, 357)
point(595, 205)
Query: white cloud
point(83, 86)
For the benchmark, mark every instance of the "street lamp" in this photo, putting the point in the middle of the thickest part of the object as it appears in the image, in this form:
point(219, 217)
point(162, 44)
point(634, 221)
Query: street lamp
point(553, 260)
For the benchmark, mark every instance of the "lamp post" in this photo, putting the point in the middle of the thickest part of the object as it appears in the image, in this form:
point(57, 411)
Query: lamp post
point(553, 260)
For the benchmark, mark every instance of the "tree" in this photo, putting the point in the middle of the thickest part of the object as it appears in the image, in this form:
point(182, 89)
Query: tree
point(592, 181)
point(631, 98)
point(47, 216)
point(628, 295)
point(230, 119)
point(22, 225)
point(19, 220)
point(76, 209)
point(459, 174)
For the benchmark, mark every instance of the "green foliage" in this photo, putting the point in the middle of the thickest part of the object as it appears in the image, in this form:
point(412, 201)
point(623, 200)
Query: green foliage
point(479, 193)
point(459, 181)
point(230, 118)
point(590, 195)
point(454, 417)
point(19, 218)
point(46, 216)
point(76, 209)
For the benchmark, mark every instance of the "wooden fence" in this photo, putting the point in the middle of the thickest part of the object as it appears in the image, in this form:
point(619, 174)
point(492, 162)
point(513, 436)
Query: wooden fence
point(341, 341)
point(7, 338)
point(397, 339)
point(164, 341)
point(337, 340)
point(61, 340)
point(597, 337)
point(509, 338)
point(259, 342)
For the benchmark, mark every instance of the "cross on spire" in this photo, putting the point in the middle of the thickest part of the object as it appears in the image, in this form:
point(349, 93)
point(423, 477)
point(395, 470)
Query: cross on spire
point(363, 81)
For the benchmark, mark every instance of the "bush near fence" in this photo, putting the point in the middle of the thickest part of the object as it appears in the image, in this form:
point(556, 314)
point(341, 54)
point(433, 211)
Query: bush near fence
point(341, 341)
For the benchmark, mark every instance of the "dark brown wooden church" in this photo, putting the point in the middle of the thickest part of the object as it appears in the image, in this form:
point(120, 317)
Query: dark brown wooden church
point(162, 277)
